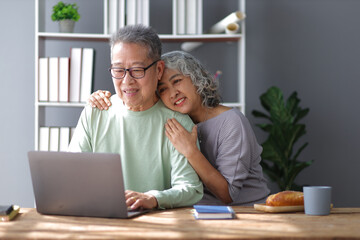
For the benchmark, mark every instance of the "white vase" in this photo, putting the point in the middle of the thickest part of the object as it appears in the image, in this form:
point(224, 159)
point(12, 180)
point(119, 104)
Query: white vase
point(66, 26)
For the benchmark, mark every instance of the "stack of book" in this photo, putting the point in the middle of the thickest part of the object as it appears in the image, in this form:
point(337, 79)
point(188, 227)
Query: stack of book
point(189, 16)
point(63, 79)
point(55, 138)
point(8, 212)
point(127, 12)
point(213, 212)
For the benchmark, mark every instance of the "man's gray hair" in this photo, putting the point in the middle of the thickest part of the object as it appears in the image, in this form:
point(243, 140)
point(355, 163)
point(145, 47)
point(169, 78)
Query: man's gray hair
point(139, 34)
point(205, 83)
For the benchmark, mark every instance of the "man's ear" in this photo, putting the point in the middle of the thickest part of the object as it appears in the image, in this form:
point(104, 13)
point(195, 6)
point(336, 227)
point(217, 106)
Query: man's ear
point(160, 67)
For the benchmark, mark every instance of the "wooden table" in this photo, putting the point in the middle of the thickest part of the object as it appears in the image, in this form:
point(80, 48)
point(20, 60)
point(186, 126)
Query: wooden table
point(342, 223)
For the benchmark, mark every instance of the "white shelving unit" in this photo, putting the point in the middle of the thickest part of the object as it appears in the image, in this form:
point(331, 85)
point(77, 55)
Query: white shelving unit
point(41, 37)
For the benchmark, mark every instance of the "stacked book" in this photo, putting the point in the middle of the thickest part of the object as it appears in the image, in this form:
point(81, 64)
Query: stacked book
point(189, 16)
point(213, 212)
point(63, 79)
point(127, 12)
point(55, 138)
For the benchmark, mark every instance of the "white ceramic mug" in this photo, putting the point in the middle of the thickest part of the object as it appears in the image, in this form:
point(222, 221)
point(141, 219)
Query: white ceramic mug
point(317, 200)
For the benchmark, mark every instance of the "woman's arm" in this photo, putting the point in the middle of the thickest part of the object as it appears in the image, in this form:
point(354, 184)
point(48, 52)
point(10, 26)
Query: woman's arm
point(100, 99)
point(185, 143)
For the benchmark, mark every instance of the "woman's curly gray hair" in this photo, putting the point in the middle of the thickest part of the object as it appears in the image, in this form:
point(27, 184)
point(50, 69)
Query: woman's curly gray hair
point(188, 65)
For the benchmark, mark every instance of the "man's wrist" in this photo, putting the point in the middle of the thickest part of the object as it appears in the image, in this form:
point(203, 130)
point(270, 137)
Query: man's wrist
point(154, 200)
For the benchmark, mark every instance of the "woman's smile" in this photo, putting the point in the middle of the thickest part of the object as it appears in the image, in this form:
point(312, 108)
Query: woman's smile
point(180, 102)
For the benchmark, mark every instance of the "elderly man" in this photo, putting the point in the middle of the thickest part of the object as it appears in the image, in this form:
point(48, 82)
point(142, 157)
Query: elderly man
point(155, 174)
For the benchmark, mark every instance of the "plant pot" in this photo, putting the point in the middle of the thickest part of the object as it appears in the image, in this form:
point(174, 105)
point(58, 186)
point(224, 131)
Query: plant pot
point(66, 26)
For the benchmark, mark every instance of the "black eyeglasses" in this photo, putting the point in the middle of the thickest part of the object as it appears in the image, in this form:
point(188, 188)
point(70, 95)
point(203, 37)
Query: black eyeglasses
point(135, 72)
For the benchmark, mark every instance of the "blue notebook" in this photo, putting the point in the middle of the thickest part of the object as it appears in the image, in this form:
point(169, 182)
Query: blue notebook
point(213, 212)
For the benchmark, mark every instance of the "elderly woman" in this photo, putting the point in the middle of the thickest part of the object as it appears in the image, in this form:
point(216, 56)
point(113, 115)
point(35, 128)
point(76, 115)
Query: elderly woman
point(228, 161)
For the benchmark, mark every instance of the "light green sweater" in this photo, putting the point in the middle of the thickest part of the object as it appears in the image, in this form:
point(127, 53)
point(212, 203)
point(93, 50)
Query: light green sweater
point(150, 162)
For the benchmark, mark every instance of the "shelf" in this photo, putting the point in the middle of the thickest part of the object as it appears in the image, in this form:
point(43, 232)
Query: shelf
point(200, 38)
point(60, 104)
point(233, 104)
point(229, 58)
point(73, 36)
point(163, 37)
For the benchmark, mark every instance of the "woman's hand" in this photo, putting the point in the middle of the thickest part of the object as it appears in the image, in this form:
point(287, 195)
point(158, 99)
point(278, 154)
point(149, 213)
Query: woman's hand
point(136, 200)
point(100, 99)
point(183, 141)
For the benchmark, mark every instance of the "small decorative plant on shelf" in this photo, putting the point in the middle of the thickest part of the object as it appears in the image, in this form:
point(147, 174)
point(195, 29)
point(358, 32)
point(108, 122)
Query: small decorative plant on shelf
point(279, 159)
point(66, 14)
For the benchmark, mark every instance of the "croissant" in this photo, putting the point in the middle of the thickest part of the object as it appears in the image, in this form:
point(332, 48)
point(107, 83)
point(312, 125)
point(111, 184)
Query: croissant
point(286, 198)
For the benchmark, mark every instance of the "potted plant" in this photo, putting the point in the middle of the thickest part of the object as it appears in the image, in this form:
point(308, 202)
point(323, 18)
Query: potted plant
point(279, 158)
point(66, 14)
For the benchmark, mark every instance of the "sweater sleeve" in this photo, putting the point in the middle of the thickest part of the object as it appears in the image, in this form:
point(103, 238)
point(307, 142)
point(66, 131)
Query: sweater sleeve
point(81, 141)
point(186, 189)
point(235, 153)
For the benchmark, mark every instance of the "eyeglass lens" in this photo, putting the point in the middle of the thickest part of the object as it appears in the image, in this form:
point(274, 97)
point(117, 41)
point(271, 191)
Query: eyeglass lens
point(135, 72)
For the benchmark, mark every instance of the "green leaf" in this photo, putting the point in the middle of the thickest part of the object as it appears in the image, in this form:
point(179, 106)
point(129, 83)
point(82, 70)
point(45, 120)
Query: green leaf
point(271, 99)
point(292, 103)
point(272, 153)
point(296, 169)
point(302, 113)
point(260, 114)
point(300, 150)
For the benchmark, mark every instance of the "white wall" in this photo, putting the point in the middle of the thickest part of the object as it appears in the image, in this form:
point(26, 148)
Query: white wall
point(17, 100)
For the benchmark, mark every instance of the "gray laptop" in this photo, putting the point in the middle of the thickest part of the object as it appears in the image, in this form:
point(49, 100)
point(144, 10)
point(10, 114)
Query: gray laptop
point(79, 184)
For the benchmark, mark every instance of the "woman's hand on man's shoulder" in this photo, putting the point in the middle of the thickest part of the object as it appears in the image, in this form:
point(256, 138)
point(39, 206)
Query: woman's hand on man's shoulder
point(100, 99)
